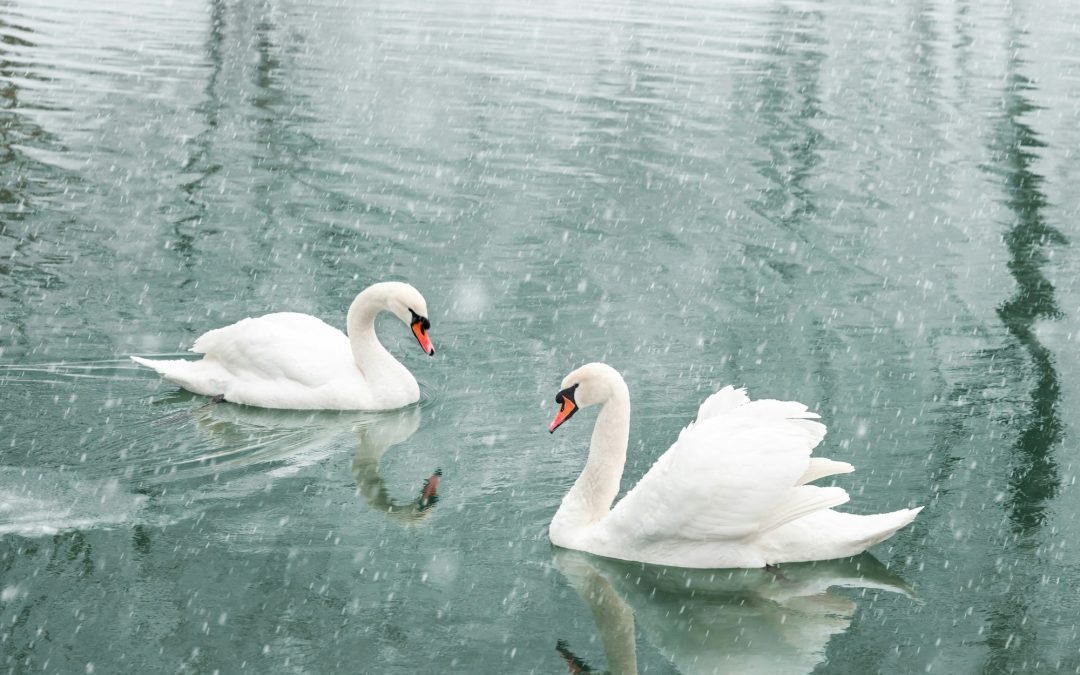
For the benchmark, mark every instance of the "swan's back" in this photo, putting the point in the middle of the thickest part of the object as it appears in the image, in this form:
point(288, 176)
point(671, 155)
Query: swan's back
point(290, 346)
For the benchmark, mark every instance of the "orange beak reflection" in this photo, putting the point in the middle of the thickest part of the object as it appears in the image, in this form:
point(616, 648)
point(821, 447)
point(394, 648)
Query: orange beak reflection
point(430, 494)
point(420, 331)
point(565, 399)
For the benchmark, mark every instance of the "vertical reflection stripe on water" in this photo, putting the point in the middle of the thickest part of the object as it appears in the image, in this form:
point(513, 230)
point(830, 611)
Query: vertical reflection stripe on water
point(1034, 476)
point(1033, 479)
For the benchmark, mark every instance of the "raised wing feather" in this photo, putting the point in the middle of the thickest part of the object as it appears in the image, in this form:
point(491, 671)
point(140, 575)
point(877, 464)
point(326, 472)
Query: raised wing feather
point(722, 401)
point(729, 476)
point(821, 467)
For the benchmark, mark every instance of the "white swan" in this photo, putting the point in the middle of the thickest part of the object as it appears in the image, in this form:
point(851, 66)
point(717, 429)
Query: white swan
point(731, 492)
point(297, 361)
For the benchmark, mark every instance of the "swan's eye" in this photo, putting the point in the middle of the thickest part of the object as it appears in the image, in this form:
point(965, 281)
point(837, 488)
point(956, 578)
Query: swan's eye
point(567, 393)
point(422, 320)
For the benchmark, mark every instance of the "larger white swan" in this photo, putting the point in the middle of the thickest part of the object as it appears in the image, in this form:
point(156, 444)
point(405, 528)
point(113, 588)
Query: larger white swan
point(731, 492)
point(297, 361)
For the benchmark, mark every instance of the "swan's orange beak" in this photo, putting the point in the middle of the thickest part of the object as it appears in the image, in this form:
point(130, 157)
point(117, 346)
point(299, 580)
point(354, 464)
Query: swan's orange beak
point(420, 327)
point(565, 399)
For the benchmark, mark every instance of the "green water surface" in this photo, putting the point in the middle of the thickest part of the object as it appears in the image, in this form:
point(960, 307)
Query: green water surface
point(866, 207)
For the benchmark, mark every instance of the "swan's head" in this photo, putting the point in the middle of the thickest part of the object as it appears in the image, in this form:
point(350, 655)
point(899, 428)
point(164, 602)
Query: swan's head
point(407, 304)
point(591, 384)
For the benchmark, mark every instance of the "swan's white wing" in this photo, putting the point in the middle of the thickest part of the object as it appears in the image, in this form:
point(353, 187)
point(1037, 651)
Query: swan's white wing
point(284, 346)
point(730, 476)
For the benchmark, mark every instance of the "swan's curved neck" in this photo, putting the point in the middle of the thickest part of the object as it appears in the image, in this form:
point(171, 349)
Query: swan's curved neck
point(595, 489)
point(369, 354)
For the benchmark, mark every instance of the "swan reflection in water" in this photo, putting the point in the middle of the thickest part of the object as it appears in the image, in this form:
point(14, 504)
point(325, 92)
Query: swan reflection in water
point(285, 441)
point(742, 621)
point(375, 439)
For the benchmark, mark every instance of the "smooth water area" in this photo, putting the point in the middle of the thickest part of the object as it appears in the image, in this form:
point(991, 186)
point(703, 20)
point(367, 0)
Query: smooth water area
point(869, 208)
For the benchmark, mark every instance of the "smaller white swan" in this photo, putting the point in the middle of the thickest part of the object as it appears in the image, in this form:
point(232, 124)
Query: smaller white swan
point(297, 361)
point(731, 492)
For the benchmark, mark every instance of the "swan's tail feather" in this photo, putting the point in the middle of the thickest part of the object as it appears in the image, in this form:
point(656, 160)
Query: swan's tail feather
point(198, 376)
point(880, 526)
point(828, 534)
point(157, 366)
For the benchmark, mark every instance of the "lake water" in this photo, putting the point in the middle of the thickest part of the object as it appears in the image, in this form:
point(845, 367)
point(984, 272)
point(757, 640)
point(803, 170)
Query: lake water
point(870, 209)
